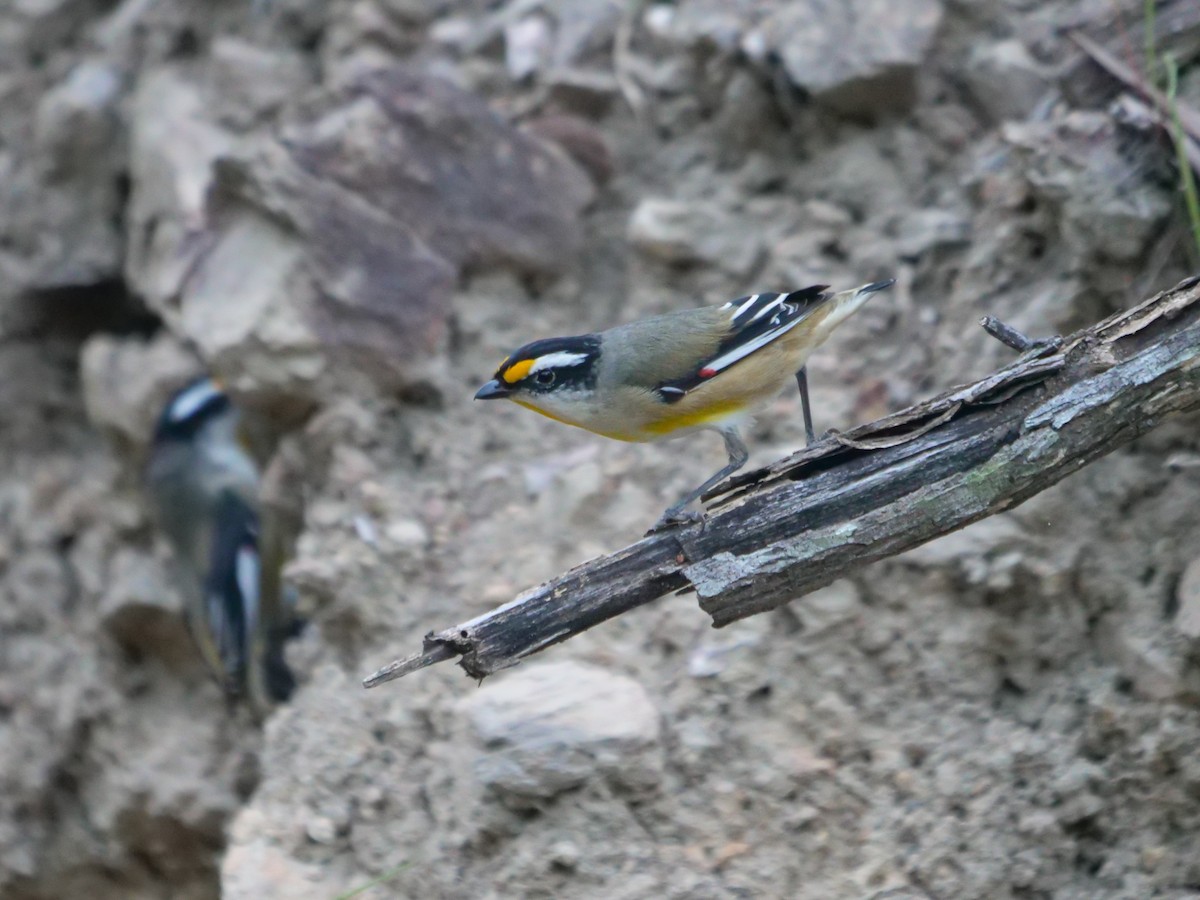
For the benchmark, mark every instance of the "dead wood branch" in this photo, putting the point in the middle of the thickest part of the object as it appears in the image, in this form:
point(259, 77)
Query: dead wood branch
point(778, 533)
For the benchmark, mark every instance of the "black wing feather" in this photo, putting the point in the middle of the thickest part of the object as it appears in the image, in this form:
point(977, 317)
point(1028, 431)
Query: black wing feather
point(230, 618)
point(755, 317)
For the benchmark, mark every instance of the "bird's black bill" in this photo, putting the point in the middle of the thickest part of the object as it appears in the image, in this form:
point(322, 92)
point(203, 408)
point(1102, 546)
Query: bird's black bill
point(493, 390)
point(877, 286)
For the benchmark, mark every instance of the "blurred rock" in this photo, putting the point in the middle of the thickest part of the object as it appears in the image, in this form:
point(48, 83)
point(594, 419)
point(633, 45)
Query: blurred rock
point(165, 803)
point(174, 143)
point(581, 141)
point(583, 28)
point(1153, 663)
point(731, 655)
point(745, 105)
point(548, 728)
point(862, 177)
point(346, 789)
point(526, 46)
point(60, 192)
point(251, 81)
point(499, 199)
point(690, 233)
point(126, 381)
point(255, 868)
point(329, 244)
point(814, 254)
point(416, 12)
point(141, 609)
point(582, 91)
point(704, 23)
point(77, 121)
point(831, 606)
point(246, 308)
point(1005, 80)
point(923, 230)
point(1187, 595)
point(1106, 211)
point(858, 57)
point(33, 28)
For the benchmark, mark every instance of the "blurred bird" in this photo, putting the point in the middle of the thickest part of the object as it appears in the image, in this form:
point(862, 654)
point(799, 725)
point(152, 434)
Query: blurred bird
point(707, 368)
point(203, 486)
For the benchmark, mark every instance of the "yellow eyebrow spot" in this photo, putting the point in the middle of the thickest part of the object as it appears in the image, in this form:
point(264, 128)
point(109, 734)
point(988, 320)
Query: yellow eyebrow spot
point(517, 371)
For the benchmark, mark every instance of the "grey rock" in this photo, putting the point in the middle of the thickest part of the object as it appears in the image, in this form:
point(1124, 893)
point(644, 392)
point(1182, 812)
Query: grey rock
point(548, 728)
point(1005, 80)
point(858, 57)
point(713, 23)
point(254, 867)
point(126, 381)
point(141, 608)
point(327, 243)
point(923, 230)
point(1106, 211)
point(77, 122)
point(416, 12)
point(1156, 668)
point(36, 27)
point(830, 606)
point(250, 81)
point(1187, 594)
point(579, 139)
point(174, 142)
point(498, 199)
point(526, 46)
point(691, 233)
point(745, 105)
point(60, 198)
point(167, 802)
point(584, 27)
point(582, 91)
point(731, 656)
point(244, 307)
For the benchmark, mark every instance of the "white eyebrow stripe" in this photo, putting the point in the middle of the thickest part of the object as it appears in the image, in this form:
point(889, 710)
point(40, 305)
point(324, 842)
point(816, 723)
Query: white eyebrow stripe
point(745, 306)
point(187, 403)
point(770, 306)
point(724, 362)
point(558, 360)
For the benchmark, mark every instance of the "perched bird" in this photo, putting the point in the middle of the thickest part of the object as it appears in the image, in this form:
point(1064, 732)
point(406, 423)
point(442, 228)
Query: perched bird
point(707, 368)
point(203, 487)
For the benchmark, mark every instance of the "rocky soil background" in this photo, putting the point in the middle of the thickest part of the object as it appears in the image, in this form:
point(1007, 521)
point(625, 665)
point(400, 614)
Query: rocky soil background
point(351, 212)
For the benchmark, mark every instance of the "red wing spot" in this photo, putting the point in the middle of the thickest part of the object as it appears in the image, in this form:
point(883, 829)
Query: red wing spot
point(707, 372)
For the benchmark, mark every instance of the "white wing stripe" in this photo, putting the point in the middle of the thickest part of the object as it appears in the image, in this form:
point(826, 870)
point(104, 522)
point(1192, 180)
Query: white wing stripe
point(745, 306)
point(247, 580)
point(724, 362)
point(770, 306)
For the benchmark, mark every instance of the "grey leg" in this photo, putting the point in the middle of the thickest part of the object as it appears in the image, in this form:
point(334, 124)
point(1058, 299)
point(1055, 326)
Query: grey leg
point(802, 382)
point(738, 454)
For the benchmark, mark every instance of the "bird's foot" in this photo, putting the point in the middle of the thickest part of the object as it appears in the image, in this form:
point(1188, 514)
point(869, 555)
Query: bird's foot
point(674, 517)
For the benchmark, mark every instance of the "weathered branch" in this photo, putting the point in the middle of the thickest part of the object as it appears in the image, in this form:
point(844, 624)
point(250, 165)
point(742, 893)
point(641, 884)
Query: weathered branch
point(850, 499)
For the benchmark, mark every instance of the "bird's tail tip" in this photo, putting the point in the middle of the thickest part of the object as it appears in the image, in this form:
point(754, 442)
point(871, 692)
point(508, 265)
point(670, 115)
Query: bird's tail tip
point(876, 286)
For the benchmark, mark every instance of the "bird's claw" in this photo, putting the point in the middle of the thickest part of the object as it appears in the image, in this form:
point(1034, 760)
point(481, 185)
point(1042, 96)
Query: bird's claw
point(674, 517)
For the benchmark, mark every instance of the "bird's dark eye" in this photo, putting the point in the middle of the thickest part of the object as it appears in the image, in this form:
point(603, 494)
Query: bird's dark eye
point(545, 377)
